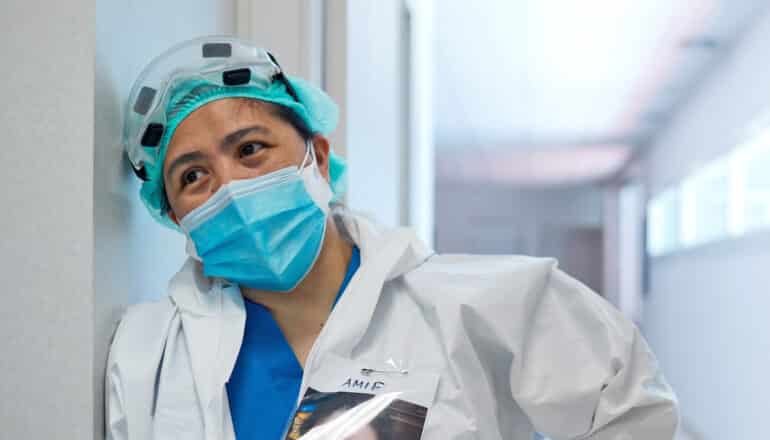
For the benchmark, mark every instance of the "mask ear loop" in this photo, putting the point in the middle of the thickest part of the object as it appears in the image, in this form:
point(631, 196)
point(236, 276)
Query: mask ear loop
point(315, 183)
point(309, 154)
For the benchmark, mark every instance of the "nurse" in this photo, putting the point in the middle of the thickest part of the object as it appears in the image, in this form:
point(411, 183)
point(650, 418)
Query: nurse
point(286, 292)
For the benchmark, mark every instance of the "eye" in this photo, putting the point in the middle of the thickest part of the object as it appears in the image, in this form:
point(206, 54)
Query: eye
point(191, 176)
point(249, 149)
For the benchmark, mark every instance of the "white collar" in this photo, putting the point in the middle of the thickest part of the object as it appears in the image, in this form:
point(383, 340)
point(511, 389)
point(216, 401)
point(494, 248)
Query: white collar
point(193, 292)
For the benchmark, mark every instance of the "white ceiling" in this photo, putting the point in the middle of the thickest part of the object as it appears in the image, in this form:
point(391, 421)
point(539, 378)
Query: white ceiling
point(524, 77)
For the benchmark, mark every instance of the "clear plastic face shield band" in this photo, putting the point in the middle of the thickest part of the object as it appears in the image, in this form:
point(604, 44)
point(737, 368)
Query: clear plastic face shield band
point(221, 61)
point(193, 73)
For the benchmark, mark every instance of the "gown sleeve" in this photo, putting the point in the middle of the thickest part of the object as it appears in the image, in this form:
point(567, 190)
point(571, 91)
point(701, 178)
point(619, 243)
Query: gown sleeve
point(581, 370)
point(573, 364)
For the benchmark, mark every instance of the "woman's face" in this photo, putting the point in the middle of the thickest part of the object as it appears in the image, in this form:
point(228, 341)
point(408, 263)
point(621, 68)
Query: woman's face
point(230, 139)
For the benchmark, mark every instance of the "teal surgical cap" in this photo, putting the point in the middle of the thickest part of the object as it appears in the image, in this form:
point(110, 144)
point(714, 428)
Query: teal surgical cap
point(313, 106)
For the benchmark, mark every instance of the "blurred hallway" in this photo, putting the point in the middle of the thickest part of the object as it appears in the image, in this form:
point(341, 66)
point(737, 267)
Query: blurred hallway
point(629, 139)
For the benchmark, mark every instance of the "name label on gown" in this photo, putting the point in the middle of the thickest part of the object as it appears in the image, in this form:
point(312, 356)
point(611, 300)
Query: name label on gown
point(362, 385)
point(346, 398)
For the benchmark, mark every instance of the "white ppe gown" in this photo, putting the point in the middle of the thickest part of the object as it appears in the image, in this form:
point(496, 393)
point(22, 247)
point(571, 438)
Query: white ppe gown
point(516, 345)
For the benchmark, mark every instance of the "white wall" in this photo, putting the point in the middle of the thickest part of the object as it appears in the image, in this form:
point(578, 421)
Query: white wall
point(418, 193)
point(375, 112)
point(707, 312)
point(623, 218)
point(46, 238)
point(611, 221)
point(292, 30)
point(631, 250)
point(134, 256)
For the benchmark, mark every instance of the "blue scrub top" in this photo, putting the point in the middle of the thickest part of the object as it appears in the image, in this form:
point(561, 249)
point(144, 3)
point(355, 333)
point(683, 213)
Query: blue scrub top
point(267, 376)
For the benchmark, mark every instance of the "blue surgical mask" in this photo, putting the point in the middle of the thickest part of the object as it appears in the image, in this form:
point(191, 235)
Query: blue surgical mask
point(265, 233)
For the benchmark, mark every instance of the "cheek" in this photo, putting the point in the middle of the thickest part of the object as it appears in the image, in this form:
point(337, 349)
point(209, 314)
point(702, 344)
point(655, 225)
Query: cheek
point(191, 200)
point(182, 204)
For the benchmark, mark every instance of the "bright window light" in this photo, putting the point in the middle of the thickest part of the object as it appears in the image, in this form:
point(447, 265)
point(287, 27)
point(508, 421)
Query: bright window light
point(729, 197)
point(736, 221)
point(664, 223)
point(705, 204)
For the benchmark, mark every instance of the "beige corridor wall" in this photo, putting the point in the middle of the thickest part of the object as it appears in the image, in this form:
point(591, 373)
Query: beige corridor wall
point(46, 223)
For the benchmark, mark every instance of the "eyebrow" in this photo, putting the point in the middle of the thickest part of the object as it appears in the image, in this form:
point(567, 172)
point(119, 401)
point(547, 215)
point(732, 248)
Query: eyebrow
point(182, 160)
point(228, 140)
point(241, 133)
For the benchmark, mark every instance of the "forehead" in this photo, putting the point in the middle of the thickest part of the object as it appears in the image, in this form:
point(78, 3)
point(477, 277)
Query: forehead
point(222, 116)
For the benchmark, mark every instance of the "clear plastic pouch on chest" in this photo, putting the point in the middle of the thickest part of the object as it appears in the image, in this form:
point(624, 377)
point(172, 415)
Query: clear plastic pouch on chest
point(359, 400)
